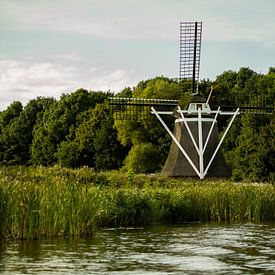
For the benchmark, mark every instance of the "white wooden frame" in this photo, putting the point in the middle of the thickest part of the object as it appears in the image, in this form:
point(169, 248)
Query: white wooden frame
point(201, 171)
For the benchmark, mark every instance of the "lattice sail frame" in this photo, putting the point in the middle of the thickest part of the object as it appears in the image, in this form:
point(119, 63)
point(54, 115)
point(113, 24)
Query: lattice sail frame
point(251, 103)
point(190, 50)
point(134, 108)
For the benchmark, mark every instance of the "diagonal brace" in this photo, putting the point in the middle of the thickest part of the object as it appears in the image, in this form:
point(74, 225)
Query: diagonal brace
point(177, 142)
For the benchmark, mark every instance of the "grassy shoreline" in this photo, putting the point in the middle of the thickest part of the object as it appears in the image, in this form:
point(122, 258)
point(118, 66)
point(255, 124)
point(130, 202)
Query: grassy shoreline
point(37, 202)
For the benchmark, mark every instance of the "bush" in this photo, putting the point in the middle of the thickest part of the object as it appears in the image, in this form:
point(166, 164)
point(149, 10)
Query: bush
point(143, 158)
point(68, 154)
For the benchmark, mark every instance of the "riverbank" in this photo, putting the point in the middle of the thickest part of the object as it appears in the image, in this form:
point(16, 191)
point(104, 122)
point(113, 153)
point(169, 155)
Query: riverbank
point(37, 202)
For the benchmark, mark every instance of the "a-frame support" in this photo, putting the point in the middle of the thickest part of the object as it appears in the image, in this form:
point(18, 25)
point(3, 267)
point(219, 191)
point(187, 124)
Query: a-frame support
point(200, 146)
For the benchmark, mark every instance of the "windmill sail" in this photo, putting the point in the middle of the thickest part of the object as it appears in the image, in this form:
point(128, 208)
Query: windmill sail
point(252, 102)
point(132, 108)
point(190, 50)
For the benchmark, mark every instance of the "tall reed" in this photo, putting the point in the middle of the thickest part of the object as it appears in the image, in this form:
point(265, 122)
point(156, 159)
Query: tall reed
point(38, 202)
point(51, 205)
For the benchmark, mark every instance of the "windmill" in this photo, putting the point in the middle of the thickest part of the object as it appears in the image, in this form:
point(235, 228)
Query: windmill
point(195, 148)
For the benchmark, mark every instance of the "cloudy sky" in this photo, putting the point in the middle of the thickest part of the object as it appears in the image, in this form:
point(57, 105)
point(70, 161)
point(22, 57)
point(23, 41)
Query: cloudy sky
point(50, 47)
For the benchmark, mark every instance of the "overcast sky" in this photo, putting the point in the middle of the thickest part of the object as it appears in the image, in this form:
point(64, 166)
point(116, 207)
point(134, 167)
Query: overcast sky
point(50, 47)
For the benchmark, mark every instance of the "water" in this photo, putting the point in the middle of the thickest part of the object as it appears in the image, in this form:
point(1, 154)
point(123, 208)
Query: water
point(187, 249)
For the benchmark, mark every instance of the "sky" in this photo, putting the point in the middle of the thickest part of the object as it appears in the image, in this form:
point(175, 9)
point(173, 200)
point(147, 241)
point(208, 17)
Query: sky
point(51, 47)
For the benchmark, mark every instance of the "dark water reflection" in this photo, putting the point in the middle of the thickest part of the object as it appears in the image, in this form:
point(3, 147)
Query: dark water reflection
point(188, 249)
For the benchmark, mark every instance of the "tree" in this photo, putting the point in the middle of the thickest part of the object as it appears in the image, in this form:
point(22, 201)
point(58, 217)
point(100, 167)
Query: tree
point(159, 87)
point(243, 76)
point(145, 129)
point(13, 111)
point(68, 154)
point(222, 88)
point(14, 141)
point(271, 70)
point(267, 141)
point(227, 79)
point(16, 136)
point(60, 122)
point(126, 92)
point(95, 143)
point(251, 159)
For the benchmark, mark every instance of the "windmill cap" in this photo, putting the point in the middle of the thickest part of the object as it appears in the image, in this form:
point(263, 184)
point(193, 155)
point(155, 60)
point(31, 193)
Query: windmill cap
point(185, 101)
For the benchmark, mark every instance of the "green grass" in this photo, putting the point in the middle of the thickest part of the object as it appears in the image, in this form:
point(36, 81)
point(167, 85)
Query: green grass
point(39, 202)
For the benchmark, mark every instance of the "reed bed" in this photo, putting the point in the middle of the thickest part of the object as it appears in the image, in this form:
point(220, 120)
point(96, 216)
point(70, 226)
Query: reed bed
point(38, 202)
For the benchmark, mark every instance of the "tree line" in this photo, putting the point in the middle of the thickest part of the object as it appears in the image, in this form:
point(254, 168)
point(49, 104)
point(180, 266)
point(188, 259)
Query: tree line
point(80, 129)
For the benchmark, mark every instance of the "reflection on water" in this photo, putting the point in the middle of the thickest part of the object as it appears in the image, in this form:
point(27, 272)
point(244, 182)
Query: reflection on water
point(187, 249)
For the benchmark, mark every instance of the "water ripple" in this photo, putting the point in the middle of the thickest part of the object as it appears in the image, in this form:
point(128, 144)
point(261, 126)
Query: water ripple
point(186, 249)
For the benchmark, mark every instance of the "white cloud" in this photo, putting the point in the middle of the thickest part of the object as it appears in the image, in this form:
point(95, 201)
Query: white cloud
point(114, 80)
point(238, 20)
point(25, 80)
point(36, 75)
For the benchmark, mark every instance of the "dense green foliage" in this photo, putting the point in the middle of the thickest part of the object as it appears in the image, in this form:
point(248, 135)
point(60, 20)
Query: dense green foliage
point(80, 129)
point(46, 202)
point(75, 131)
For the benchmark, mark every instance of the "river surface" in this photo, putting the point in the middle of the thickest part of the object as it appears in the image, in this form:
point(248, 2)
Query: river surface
point(186, 249)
